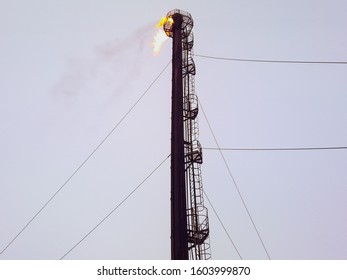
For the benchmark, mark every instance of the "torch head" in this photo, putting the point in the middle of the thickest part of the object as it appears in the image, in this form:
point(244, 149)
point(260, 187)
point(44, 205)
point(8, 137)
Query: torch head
point(168, 25)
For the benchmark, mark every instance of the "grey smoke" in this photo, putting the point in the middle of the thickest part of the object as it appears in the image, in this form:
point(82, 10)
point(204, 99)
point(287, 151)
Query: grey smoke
point(113, 64)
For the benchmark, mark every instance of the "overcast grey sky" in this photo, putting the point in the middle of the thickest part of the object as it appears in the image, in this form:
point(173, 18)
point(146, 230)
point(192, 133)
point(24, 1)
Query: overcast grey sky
point(70, 70)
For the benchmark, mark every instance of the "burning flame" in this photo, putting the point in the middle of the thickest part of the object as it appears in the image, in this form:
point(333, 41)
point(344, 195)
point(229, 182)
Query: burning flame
point(160, 38)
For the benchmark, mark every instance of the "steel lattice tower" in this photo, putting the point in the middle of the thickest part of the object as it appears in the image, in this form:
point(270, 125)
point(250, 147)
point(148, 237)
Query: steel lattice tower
point(189, 216)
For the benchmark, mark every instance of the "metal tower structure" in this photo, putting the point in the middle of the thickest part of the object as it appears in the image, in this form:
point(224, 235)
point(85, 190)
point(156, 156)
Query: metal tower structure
point(189, 216)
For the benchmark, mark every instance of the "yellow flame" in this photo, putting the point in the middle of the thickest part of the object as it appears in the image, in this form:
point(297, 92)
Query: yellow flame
point(164, 20)
point(160, 38)
point(161, 22)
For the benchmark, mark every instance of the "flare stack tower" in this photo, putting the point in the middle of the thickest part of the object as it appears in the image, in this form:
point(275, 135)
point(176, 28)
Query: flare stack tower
point(189, 216)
